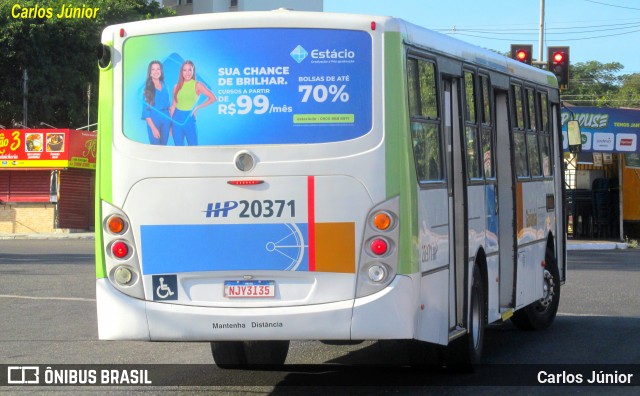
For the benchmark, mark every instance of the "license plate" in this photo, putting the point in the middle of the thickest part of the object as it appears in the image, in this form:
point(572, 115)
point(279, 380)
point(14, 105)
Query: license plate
point(251, 289)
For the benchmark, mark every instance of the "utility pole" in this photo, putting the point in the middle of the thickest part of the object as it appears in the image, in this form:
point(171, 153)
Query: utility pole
point(88, 103)
point(541, 37)
point(25, 90)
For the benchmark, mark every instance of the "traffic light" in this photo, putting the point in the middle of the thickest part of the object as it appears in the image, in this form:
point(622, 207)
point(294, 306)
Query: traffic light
point(522, 52)
point(558, 64)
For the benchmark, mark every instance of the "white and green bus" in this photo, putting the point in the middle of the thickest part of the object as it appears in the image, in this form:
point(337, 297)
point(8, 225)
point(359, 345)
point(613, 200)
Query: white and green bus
point(275, 176)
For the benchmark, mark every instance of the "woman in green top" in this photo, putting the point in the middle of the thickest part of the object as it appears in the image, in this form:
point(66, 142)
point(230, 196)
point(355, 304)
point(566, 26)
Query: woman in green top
point(183, 110)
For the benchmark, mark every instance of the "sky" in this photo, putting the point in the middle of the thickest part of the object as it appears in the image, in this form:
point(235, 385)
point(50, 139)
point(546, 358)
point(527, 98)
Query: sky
point(601, 30)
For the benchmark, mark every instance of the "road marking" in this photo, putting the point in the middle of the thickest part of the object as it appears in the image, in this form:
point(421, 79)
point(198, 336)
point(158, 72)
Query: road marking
point(48, 298)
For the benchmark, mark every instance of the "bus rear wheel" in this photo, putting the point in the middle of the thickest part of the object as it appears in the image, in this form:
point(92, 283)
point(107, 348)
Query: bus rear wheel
point(540, 314)
point(466, 351)
point(239, 354)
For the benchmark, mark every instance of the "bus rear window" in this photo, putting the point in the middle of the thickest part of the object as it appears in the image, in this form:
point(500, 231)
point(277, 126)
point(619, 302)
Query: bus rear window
point(247, 86)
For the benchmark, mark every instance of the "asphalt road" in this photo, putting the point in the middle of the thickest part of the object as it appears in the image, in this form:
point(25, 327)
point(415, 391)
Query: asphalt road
point(47, 311)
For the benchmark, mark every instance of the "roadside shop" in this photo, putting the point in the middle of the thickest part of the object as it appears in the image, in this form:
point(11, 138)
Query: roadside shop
point(47, 179)
point(603, 181)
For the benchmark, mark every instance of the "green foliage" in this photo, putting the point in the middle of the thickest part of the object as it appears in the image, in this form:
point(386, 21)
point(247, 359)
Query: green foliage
point(601, 84)
point(629, 93)
point(60, 57)
point(593, 83)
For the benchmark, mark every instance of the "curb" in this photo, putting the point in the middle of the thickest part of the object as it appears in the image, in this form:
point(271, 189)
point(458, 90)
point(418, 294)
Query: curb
point(597, 246)
point(79, 235)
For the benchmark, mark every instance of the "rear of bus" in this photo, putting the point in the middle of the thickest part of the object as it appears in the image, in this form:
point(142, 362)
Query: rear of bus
point(277, 221)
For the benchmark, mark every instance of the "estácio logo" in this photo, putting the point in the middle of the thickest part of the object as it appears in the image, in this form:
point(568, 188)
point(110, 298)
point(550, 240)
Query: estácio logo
point(299, 54)
point(333, 54)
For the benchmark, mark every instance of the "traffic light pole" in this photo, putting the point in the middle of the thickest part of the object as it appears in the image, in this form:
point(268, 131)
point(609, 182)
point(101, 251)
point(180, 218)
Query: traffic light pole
point(541, 36)
point(541, 65)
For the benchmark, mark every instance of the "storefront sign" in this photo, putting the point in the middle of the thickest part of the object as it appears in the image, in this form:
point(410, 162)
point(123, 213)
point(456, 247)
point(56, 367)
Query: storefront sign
point(605, 130)
point(47, 148)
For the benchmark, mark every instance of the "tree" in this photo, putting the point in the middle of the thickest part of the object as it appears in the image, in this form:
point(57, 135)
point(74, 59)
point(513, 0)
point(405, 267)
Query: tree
point(593, 83)
point(629, 94)
point(59, 56)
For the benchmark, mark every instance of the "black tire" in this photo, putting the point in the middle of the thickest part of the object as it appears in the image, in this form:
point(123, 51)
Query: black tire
point(228, 354)
point(540, 314)
point(466, 351)
point(266, 353)
point(241, 354)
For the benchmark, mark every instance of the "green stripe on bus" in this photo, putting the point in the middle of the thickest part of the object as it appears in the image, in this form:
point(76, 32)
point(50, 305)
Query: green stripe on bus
point(104, 161)
point(400, 172)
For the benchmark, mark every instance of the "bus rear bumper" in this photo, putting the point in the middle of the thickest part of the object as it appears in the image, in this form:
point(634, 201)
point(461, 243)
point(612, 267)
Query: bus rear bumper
point(387, 314)
point(120, 317)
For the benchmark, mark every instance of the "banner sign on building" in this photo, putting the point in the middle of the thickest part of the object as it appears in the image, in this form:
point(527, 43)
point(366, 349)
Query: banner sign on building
point(47, 148)
point(605, 130)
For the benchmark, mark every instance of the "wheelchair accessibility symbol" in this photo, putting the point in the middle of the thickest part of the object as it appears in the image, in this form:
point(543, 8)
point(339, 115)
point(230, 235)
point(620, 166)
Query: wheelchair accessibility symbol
point(165, 287)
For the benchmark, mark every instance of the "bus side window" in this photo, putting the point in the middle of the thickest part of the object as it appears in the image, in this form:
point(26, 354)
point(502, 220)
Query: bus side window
point(486, 129)
point(532, 134)
point(424, 118)
point(519, 140)
point(471, 125)
point(545, 135)
point(516, 107)
point(531, 110)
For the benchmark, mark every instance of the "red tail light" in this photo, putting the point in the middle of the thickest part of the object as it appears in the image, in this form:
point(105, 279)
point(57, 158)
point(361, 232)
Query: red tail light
point(379, 246)
point(120, 249)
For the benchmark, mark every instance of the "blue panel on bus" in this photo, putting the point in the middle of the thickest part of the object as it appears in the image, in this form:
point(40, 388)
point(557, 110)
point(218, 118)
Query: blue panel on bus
point(223, 247)
point(247, 86)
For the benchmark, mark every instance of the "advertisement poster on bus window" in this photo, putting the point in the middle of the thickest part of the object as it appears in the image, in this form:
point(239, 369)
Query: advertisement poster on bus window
point(247, 86)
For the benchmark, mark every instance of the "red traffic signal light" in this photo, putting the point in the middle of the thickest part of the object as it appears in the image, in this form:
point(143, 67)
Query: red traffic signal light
point(522, 52)
point(558, 64)
point(521, 55)
point(558, 57)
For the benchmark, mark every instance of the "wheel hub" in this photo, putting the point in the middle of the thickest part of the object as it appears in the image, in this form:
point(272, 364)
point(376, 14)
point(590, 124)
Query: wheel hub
point(548, 286)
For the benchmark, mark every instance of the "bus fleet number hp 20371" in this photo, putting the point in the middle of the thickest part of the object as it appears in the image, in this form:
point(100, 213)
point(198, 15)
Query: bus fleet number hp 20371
point(253, 209)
